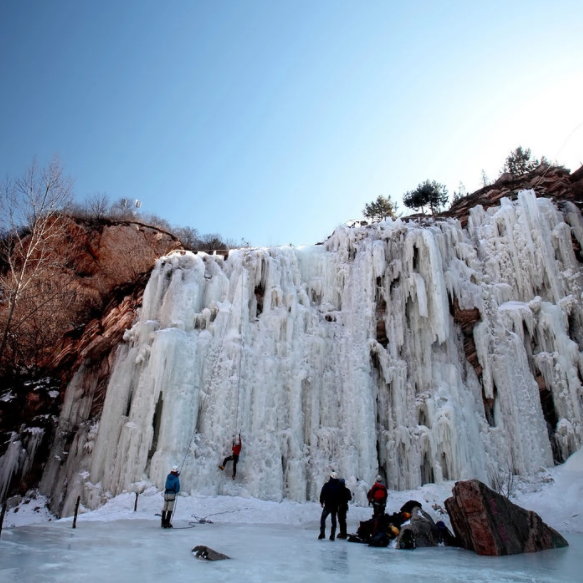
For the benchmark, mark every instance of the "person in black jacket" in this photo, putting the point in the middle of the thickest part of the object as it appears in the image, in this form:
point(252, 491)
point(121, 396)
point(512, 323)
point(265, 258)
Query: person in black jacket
point(330, 500)
point(345, 498)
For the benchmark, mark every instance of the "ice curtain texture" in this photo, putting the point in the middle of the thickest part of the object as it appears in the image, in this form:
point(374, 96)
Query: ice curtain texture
point(417, 349)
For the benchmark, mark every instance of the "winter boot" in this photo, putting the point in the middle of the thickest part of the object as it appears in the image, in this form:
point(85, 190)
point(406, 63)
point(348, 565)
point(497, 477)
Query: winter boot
point(332, 537)
point(168, 517)
point(321, 536)
point(163, 521)
point(221, 467)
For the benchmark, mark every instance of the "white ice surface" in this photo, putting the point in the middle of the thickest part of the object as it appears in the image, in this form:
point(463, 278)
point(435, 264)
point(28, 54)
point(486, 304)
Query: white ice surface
point(343, 356)
point(137, 551)
point(271, 541)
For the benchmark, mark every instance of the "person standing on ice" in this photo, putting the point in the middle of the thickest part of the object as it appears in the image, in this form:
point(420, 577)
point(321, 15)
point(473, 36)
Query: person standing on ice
point(330, 500)
point(234, 457)
point(345, 498)
point(377, 496)
point(171, 489)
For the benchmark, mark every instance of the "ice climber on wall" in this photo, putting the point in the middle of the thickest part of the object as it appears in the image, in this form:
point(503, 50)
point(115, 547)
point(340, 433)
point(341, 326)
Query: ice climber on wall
point(172, 488)
point(234, 457)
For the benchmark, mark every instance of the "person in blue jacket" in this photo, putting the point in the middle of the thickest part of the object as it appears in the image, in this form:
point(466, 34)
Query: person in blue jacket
point(172, 488)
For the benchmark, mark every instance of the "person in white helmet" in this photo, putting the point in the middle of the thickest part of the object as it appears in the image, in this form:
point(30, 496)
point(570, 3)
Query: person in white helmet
point(377, 496)
point(172, 488)
point(330, 500)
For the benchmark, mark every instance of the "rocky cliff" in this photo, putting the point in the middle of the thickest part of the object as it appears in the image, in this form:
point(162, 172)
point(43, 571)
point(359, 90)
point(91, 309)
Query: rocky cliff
point(108, 266)
point(112, 263)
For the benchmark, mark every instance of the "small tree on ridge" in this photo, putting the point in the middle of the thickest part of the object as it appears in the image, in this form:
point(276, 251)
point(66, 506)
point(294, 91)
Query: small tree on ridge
point(380, 209)
point(520, 162)
point(430, 194)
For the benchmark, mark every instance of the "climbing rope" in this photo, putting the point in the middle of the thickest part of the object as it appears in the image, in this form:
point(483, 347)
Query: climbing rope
point(237, 421)
point(217, 359)
point(214, 369)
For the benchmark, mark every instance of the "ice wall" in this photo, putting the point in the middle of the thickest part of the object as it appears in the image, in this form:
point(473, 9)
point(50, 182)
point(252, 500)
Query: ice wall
point(350, 356)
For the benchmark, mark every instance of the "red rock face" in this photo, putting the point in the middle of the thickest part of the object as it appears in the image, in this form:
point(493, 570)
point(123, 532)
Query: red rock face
point(554, 182)
point(111, 262)
point(113, 253)
point(106, 269)
point(489, 524)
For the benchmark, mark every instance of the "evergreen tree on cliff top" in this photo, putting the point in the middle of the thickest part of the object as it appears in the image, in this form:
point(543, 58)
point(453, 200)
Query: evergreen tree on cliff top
point(520, 162)
point(428, 194)
point(380, 209)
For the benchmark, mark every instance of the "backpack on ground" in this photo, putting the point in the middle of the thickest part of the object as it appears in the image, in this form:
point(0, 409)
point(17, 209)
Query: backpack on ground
point(364, 531)
point(354, 538)
point(409, 505)
point(381, 539)
point(407, 539)
point(445, 535)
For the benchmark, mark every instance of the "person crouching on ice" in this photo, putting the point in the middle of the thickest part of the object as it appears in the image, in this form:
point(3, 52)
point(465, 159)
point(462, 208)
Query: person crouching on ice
point(172, 488)
point(234, 457)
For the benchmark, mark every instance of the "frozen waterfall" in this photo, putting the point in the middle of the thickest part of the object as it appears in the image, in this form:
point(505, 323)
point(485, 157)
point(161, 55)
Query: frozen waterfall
point(351, 356)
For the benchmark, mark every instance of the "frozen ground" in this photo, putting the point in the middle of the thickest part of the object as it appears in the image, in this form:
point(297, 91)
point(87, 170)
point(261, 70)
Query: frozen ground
point(139, 551)
point(271, 541)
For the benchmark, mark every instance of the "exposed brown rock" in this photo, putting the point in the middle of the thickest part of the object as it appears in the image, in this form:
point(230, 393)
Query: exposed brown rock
point(489, 524)
point(467, 319)
point(108, 254)
point(108, 265)
point(551, 181)
point(111, 265)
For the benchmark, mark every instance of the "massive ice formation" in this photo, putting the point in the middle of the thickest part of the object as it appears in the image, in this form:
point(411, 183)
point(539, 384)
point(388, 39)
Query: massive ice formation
point(351, 356)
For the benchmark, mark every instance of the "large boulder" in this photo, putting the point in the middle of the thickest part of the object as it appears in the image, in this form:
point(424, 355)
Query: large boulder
point(489, 524)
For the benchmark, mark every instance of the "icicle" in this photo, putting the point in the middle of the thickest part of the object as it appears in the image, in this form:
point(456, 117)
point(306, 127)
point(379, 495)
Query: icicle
point(347, 356)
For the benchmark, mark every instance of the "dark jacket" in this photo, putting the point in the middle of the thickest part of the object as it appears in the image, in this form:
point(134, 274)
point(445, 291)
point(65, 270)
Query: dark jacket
point(330, 496)
point(172, 484)
point(345, 497)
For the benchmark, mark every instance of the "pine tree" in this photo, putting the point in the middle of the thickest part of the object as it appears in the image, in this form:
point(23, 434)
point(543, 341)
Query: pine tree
point(380, 209)
point(429, 193)
point(519, 162)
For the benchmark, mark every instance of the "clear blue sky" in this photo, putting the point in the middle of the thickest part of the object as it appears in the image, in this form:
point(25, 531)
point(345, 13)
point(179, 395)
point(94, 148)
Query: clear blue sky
point(276, 121)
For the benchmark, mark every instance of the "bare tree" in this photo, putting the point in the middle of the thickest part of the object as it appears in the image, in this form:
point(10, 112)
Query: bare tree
point(213, 242)
point(189, 237)
point(98, 205)
point(32, 225)
point(123, 209)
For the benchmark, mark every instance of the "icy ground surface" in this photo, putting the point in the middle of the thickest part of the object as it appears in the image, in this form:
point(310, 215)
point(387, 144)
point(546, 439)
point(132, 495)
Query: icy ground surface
point(270, 541)
point(139, 551)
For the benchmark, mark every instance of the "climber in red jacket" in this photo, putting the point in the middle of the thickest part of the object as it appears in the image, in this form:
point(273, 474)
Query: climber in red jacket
point(234, 457)
point(377, 496)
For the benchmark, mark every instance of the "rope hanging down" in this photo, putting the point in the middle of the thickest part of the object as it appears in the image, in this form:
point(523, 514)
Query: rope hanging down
point(241, 353)
point(216, 362)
